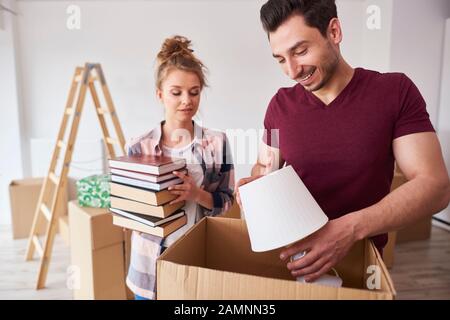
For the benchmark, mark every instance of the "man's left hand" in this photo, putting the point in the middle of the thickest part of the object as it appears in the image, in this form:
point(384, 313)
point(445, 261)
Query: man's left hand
point(324, 249)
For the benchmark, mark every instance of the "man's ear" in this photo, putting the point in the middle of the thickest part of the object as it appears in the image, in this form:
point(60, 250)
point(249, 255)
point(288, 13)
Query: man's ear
point(335, 31)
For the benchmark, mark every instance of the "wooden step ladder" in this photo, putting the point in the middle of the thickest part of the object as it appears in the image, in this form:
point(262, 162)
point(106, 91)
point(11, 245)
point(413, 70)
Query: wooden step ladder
point(54, 184)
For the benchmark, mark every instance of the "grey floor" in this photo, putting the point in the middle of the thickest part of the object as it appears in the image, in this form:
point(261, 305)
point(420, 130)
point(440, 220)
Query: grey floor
point(18, 278)
point(421, 269)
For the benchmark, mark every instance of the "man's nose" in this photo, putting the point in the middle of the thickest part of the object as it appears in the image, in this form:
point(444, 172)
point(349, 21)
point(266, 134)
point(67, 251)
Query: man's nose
point(292, 69)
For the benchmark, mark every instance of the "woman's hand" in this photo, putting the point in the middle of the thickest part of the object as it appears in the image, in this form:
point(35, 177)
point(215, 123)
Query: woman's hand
point(188, 190)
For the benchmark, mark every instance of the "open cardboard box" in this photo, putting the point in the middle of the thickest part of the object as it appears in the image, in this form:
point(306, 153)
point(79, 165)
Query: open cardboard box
point(213, 260)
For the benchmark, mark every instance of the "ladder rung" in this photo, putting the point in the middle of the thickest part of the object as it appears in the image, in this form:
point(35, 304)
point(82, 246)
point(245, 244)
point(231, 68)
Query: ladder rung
point(53, 178)
point(110, 140)
point(37, 246)
point(69, 111)
point(61, 144)
point(46, 212)
point(80, 77)
point(102, 111)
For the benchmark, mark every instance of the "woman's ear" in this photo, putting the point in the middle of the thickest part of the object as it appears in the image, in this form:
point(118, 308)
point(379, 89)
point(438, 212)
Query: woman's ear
point(159, 94)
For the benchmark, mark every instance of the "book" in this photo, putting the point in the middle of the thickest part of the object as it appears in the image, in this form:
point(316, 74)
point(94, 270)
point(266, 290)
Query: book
point(157, 165)
point(154, 198)
point(145, 176)
point(159, 231)
point(162, 211)
point(145, 184)
point(147, 220)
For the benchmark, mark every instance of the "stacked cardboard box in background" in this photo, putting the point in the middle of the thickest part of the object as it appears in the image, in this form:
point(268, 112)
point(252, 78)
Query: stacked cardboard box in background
point(64, 229)
point(98, 256)
point(420, 230)
point(24, 196)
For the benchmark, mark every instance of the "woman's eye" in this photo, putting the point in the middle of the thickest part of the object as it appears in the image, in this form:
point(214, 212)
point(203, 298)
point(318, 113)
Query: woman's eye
point(176, 93)
point(301, 53)
point(194, 93)
point(281, 61)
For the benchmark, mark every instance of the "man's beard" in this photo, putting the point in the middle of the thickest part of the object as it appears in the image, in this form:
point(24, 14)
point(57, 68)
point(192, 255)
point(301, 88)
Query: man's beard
point(328, 69)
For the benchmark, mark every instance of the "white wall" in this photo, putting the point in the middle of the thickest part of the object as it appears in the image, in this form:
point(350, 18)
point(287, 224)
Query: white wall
point(417, 50)
point(10, 132)
point(126, 35)
point(444, 110)
point(376, 40)
point(417, 45)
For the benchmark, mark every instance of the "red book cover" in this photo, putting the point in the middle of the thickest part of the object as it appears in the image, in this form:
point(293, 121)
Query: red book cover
point(147, 163)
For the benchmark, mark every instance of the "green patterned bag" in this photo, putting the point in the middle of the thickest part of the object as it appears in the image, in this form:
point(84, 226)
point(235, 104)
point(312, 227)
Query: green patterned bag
point(94, 191)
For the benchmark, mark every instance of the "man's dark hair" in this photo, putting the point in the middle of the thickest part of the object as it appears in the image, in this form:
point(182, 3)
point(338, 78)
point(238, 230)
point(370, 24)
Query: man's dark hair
point(317, 13)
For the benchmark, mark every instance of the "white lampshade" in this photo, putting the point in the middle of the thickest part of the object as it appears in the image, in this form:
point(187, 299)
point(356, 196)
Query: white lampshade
point(279, 210)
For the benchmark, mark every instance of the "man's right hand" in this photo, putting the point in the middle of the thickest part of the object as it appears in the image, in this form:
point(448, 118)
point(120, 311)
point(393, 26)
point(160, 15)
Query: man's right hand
point(241, 182)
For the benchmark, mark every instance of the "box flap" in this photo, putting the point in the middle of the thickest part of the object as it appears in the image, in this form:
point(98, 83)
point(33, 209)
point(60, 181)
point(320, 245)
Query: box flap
point(350, 268)
point(373, 258)
point(230, 235)
point(192, 251)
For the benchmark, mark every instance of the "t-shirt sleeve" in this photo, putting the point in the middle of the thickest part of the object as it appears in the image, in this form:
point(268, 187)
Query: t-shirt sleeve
point(412, 116)
point(271, 132)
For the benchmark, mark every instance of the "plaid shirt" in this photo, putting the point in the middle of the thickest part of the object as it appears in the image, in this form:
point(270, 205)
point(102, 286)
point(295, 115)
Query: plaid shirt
point(212, 151)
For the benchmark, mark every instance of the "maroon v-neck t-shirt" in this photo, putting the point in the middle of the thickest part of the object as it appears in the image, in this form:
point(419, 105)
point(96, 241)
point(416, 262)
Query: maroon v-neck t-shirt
point(343, 151)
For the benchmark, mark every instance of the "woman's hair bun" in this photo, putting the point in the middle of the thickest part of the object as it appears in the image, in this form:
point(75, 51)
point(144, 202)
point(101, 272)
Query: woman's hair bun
point(175, 46)
point(176, 53)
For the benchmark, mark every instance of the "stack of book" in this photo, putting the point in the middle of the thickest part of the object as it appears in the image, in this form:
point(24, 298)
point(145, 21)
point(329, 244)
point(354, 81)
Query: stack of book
point(139, 197)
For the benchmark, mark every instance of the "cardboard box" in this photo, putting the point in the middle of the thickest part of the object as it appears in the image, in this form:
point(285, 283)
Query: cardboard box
point(97, 254)
point(194, 267)
point(234, 212)
point(24, 195)
point(389, 250)
point(64, 229)
point(397, 180)
point(127, 235)
point(420, 230)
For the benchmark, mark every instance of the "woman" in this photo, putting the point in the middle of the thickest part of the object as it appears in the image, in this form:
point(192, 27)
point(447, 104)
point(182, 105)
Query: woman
point(208, 186)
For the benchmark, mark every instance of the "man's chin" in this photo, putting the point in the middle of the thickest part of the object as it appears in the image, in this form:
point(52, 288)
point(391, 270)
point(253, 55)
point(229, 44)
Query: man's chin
point(312, 88)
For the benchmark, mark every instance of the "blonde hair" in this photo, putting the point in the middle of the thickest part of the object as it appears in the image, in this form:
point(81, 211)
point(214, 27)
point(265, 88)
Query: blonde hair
point(176, 53)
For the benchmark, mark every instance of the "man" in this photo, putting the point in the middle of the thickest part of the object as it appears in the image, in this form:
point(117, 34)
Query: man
point(342, 129)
